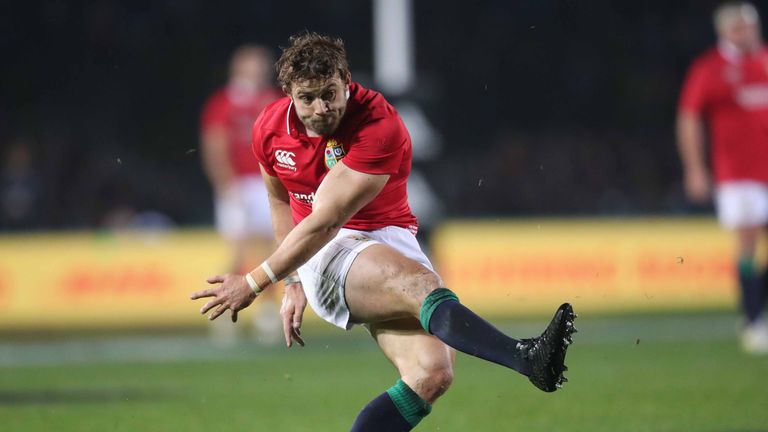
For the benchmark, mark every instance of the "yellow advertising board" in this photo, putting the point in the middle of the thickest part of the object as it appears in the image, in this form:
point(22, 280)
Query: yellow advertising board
point(597, 264)
point(105, 279)
point(519, 266)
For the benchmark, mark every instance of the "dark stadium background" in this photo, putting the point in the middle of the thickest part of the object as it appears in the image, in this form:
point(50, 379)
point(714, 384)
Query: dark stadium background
point(559, 106)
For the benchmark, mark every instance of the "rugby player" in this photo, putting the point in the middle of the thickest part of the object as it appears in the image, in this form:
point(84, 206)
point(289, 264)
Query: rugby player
point(240, 199)
point(336, 157)
point(726, 89)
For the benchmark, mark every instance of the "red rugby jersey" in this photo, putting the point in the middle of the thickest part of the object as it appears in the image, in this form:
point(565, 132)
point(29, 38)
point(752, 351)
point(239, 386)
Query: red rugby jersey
point(235, 111)
point(371, 138)
point(730, 91)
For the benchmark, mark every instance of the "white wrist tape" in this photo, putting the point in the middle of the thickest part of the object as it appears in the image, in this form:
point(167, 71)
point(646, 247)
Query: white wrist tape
point(252, 283)
point(292, 280)
point(268, 270)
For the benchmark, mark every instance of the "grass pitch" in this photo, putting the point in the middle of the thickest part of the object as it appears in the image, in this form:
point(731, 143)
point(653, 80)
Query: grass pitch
point(636, 373)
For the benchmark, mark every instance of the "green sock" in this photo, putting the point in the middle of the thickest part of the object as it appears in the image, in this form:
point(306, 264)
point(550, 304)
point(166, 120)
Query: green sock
point(412, 407)
point(433, 300)
point(747, 267)
point(752, 295)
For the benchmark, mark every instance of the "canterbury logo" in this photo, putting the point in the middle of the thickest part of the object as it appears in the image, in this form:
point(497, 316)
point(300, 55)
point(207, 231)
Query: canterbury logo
point(285, 157)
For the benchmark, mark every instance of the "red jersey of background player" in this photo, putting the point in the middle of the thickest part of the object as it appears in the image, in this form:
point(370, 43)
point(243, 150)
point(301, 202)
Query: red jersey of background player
point(730, 91)
point(235, 110)
point(370, 138)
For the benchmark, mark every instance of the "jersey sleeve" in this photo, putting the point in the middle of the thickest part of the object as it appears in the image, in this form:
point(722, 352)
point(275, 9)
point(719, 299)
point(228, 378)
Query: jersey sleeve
point(214, 113)
point(695, 94)
point(378, 147)
point(258, 145)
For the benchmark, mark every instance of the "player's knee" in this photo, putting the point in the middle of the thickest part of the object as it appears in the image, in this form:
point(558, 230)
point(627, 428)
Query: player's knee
point(412, 280)
point(418, 286)
point(435, 382)
point(422, 282)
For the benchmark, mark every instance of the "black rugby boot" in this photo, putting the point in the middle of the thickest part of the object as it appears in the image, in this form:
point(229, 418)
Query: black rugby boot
point(546, 353)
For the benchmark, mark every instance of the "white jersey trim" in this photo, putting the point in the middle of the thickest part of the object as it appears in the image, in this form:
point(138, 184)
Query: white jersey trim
point(288, 118)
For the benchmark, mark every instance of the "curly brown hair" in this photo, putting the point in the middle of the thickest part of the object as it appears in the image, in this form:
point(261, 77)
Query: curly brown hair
point(312, 56)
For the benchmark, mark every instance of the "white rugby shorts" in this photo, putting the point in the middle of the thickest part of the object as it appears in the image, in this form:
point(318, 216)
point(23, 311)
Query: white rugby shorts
point(244, 210)
point(324, 275)
point(742, 204)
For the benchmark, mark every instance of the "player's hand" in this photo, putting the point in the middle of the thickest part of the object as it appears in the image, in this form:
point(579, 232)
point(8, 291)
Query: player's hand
point(292, 312)
point(233, 294)
point(697, 186)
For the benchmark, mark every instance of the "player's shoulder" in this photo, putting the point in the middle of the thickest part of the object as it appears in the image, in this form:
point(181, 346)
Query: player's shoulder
point(273, 117)
point(218, 98)
point(369, 103)
point(706, 66)
point(368, 108)
point(708, 59)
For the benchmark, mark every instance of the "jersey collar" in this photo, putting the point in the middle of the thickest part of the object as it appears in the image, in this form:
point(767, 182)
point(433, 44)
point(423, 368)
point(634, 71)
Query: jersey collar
point(288, 119)
point(293, 125)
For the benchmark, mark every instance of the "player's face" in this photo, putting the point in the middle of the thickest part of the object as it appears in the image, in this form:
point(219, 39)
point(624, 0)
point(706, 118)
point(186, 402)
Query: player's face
point(320, 104)
point(251, 68)
point(743, 32)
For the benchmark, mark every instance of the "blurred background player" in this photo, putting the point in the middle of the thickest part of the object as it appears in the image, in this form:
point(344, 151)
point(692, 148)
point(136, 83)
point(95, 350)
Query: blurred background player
point(241, 207)
point(727, 89)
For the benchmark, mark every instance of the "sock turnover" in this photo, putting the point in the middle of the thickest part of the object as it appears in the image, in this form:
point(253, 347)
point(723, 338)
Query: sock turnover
point(411, 406)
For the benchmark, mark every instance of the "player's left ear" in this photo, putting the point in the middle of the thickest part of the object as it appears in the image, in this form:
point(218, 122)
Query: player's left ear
point(346, 86)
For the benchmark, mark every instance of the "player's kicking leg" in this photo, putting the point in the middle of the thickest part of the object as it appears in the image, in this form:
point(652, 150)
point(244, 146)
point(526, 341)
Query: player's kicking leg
point(382, 285)
point(425, 365)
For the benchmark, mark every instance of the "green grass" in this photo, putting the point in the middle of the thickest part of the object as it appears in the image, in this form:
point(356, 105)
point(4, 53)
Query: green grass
point(639, 373)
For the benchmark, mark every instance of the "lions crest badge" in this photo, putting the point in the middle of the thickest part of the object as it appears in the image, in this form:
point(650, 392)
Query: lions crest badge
point(334, 151)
